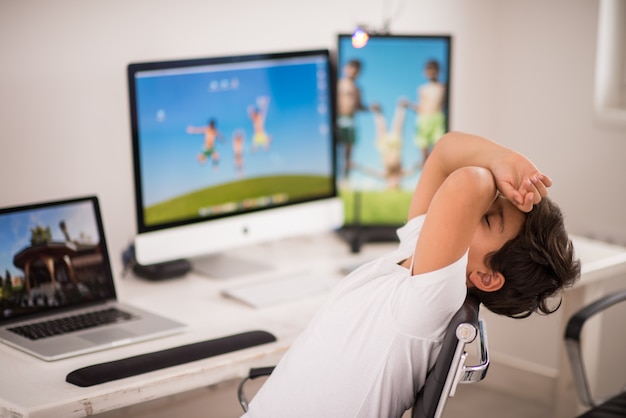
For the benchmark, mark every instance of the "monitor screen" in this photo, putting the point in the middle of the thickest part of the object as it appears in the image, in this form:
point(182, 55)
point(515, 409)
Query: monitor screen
point(218, 141)
point(393, 104)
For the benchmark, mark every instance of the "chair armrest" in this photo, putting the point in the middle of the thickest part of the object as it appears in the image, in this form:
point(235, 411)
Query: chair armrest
point(252, 374)
point(466, 333)
point(576, 322)
point(573, 332)
point(478, 372)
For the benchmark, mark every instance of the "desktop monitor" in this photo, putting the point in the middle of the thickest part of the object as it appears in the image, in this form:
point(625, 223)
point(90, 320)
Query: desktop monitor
point(393, 103)
point(231, 151)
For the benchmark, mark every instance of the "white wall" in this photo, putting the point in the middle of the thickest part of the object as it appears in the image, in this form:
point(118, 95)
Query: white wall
point(64, 124)
point(546, 98)
point(522, 74)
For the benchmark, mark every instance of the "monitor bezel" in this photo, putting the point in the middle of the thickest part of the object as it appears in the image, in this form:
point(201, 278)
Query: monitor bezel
point(359, 232)
point(134, 68)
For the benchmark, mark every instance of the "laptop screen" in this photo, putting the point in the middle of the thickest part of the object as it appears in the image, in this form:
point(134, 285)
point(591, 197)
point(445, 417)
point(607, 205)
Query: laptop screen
point(52, 256)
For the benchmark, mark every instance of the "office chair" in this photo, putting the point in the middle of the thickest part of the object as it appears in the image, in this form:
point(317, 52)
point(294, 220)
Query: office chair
point(612, 407)
point(449, 369)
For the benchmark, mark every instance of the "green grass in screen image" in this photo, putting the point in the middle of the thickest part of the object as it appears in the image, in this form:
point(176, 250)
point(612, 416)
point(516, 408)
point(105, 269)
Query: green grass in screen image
point(295, 187)
point(377, 208)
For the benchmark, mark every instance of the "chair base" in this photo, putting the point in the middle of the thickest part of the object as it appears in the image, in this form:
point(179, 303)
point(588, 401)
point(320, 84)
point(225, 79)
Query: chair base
point(612, 408)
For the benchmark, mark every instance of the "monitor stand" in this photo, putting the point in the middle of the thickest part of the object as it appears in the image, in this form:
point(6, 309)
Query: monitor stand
point(224, 266)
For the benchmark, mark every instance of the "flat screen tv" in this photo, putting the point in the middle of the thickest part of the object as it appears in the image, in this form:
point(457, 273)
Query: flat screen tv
point(232, 151)
point(393, 97)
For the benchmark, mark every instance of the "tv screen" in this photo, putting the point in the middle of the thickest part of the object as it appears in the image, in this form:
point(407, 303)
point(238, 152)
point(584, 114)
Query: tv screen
point(222, 137)
point(392, 105)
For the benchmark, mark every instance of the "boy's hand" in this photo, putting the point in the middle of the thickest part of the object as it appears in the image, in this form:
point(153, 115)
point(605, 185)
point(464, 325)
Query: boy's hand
point(520, 181)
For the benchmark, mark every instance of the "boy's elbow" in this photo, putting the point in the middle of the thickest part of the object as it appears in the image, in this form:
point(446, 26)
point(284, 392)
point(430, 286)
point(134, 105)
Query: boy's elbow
point(476, 183)
point(447, 145)
point(449, 139)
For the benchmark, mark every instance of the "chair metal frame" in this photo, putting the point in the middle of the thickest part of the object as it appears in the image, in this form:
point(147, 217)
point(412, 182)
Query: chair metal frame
point(450, 369)
point(573, 331)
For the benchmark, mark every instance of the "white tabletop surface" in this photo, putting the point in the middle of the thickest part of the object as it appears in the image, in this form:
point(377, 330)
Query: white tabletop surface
point(34, 388)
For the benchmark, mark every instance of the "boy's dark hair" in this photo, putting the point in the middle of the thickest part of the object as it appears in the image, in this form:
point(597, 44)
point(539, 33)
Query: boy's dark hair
point(355, 63)
point(536, 265)
point(432, 65)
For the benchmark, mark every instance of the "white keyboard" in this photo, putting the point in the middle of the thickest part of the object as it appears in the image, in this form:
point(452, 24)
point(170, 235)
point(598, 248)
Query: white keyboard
point(273, 291)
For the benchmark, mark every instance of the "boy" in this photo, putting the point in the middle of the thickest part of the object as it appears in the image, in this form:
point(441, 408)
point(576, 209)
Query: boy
point(210, 135)
point(389, 144)
point(431, 121)
point(260, 138)
point(348, 103)
point(479, 222)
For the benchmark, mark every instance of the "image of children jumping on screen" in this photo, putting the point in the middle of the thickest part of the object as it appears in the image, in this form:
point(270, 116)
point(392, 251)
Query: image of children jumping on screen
point(389, 145)
point(238, 144)
point(210, 135)
point(257, 115)
point(348, 103)
point(430, 120)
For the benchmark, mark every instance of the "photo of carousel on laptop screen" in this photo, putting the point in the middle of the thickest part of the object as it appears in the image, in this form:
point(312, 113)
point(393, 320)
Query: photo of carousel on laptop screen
point(51, 257)
point(392, 105)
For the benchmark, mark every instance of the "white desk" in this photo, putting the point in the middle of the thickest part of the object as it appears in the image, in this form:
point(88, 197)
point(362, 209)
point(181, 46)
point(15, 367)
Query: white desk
point(33, 388)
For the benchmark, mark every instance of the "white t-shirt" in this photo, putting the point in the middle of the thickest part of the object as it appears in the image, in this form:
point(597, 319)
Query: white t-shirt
point(378, 334)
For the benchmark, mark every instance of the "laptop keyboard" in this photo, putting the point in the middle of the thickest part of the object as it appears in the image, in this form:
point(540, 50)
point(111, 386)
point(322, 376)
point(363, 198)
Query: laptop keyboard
point(72, 323)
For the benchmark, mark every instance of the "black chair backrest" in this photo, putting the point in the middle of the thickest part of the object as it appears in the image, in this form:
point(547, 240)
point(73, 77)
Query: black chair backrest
point(436, 388)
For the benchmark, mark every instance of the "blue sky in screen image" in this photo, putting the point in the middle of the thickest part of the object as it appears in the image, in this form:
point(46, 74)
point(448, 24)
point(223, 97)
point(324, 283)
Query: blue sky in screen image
point(391, 68)
point(297, 122)
point(15, 229)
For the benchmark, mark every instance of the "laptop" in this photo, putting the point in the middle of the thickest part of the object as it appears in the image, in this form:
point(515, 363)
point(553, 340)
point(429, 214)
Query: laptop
point(57, 294)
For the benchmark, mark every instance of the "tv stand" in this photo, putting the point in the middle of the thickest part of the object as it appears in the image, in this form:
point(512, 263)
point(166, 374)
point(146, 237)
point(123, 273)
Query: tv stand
point(357, 235)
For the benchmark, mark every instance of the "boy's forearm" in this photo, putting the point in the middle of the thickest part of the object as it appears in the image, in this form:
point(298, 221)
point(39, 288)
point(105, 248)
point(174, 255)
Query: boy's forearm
point(517, 178)
point(456, 150)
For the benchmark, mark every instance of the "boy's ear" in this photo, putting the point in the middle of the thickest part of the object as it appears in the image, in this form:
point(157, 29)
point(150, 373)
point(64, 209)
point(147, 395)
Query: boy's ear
point(487, 282)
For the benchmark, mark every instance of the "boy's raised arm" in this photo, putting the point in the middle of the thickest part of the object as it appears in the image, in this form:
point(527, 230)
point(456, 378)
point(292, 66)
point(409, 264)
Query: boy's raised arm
point(517, 178)
point(457, 187)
